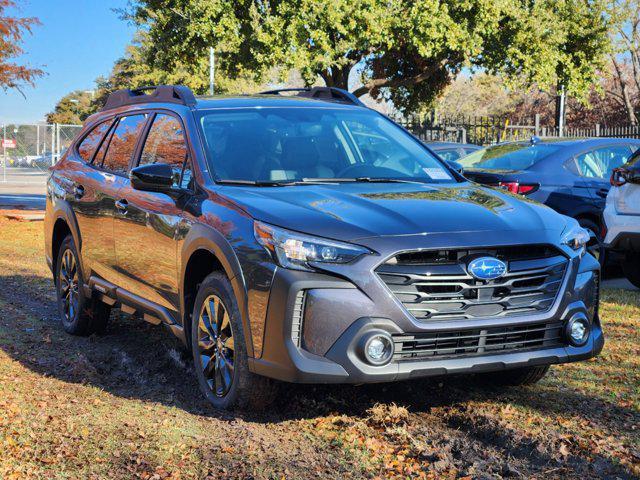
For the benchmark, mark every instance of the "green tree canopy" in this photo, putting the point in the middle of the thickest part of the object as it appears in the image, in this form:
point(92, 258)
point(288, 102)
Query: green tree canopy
point(406, 51)
point(73, 108)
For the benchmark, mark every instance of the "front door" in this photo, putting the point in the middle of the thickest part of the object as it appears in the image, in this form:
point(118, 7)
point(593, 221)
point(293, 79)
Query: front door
point(146, 246)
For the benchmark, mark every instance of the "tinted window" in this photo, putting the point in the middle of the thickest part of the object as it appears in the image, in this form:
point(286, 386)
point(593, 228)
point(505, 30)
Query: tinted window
point(91, 141)
point(634, 161)
point(166, 144)
point(511, 156)
point(122, 144)
point(449, 154)
point(600, 162)
point(279, 144)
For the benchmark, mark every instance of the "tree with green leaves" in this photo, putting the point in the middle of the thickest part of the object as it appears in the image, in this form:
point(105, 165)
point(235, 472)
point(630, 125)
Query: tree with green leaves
point(73, 108)
point(406, 51)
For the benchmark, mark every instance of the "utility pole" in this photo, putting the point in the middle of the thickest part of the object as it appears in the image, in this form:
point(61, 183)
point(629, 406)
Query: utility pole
point(4, 153)
point(212, 69)
point(561, 99)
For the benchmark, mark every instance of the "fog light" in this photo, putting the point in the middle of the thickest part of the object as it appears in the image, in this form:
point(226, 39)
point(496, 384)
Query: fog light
point(577, 330)
point(378, 349)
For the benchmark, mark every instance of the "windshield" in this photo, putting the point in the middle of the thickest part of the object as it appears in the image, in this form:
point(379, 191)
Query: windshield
point(267, 144)
point(511, 156)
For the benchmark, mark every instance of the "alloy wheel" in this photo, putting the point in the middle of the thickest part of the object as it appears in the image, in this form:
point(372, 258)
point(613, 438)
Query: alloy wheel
point(215, 345)
point(68, 282)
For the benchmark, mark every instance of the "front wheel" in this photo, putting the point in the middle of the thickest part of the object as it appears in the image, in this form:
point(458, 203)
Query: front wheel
point(219, 350)
point(631, 268)
point(517, 376)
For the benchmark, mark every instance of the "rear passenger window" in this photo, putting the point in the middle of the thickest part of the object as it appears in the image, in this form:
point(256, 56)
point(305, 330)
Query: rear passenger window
point(166, 144)
point(122, 143)
point(91, 141)
point(600, 162)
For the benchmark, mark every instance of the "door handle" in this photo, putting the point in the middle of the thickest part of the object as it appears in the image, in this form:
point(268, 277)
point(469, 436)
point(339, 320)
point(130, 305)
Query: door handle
point(602, 193)
point(122, 206)
point(78, 191)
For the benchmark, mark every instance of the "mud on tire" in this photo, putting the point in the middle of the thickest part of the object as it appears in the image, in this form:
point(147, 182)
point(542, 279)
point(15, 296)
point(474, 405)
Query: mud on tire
point(217, 336)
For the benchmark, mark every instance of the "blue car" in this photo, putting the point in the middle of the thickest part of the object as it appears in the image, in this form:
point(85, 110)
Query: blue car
point(452, 151)
point(569, 175)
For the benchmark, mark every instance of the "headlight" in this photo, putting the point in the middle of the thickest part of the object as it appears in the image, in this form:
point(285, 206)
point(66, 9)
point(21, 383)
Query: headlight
point(576, 237)
point(295, 250)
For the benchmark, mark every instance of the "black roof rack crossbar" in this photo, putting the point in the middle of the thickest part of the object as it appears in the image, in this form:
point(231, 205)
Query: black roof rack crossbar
point(330, 94)
point(161, 94)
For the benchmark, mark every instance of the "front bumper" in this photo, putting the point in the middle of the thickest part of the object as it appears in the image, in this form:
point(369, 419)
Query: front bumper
point(318, 341)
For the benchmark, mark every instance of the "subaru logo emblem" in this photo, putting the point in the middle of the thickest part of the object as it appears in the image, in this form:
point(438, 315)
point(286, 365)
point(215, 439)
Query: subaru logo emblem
point(487, 268)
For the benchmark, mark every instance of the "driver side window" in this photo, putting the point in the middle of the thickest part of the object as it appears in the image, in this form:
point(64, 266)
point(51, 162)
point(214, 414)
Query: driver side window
point(166, 143)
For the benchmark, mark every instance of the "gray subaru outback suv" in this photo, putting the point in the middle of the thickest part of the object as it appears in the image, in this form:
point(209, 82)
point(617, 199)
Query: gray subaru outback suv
point(302, 237)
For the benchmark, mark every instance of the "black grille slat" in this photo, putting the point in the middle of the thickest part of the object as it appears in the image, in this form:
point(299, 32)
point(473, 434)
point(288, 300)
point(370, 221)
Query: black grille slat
point(437, 289)
point(478, 341)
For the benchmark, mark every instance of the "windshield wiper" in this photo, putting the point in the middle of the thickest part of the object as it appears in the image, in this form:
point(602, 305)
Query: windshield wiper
point(384, 180)
point(273, 183)
point(314, 181)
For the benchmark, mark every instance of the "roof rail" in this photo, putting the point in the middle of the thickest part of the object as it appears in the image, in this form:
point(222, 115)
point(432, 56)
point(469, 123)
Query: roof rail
point(161, 94)
point(330, 94)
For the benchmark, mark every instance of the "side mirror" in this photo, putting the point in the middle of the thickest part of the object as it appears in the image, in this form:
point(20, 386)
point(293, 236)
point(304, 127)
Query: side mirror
point(456, 166)
point(623, 175)
point(153, 177)
point(633, 175)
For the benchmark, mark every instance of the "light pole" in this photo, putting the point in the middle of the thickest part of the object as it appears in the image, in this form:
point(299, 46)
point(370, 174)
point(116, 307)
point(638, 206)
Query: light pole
point(212, 69)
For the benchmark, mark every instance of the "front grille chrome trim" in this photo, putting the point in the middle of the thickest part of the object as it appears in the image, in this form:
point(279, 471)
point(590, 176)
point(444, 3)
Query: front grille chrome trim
point(430, 292)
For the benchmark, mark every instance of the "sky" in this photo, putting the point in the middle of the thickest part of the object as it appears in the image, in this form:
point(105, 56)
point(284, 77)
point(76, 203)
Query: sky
point(78, 41)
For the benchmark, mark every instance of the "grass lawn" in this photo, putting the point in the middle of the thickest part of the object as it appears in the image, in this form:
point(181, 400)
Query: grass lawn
point(126, 405)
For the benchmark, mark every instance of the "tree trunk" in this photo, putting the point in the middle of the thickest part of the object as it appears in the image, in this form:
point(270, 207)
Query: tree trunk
point(628, 105)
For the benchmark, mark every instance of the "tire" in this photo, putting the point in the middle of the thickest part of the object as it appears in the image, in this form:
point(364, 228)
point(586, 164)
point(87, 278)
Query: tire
point(79, 314)
point(220, 353)
point(518, 376)
point(596, 249)
point(631, 268)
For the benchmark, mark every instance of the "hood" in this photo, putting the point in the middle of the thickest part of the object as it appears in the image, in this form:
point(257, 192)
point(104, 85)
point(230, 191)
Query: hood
point(350, 211)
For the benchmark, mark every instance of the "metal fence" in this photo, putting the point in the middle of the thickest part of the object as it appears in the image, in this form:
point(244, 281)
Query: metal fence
point(492, 129)
point(34, 147)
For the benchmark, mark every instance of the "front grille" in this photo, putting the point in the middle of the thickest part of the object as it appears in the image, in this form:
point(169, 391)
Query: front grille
point(435, 285)
point(477, 341)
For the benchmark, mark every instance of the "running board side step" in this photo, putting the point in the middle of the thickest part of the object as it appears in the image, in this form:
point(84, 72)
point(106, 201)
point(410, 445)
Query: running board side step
point(131, 303)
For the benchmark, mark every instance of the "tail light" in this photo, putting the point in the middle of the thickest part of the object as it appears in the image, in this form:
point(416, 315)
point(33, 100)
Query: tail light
point(519, 188)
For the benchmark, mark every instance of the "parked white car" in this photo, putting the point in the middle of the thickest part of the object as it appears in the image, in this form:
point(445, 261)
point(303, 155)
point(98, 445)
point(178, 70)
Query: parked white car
point(622, 217)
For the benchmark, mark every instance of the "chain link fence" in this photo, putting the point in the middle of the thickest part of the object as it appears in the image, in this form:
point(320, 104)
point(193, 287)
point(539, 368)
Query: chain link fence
point(30, 149)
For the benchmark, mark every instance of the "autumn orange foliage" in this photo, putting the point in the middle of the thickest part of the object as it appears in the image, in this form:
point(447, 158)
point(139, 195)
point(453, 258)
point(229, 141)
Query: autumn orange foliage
point(12, 30)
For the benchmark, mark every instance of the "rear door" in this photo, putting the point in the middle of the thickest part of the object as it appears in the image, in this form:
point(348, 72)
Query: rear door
point(111, 164)
point(88, 193)
point(146, 245)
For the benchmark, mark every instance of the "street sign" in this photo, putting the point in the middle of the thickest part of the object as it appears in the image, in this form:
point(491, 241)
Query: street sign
point(9, 143)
